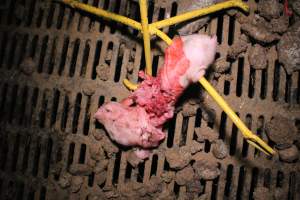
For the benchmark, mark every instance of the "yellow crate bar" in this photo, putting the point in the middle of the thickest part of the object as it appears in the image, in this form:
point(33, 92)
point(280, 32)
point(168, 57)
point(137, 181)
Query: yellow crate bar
point(146, 35)
point(200, 12)
point(103, 13)
point(251, 138)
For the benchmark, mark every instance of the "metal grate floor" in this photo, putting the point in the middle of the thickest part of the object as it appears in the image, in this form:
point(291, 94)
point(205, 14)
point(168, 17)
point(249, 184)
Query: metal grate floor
point(46, 111)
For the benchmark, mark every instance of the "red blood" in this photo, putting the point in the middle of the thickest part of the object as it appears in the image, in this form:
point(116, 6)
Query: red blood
point(286, 9)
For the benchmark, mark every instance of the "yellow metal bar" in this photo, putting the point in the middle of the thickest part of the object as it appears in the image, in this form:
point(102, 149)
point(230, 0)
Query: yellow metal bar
point(134, 24)
point(161, 34)
point(103, 13)
point(251, 138)
point(200, 12)
point(129, 85)
point(259, 147)
point(146, 35)
point(164, 37)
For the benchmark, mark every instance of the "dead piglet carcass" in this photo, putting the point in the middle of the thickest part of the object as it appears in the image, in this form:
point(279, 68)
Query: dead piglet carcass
point(138, 119)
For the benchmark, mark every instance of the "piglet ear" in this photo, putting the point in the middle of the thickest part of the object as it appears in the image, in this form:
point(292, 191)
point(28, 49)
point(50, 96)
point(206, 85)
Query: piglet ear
point(97, 114)
point(214, 39)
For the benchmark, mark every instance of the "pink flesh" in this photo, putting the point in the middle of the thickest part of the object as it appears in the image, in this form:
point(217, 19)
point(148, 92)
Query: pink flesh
point(138, 119)
point(142, 153)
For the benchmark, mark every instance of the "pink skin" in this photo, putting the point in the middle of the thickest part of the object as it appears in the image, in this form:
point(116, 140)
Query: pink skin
point(137, 120)
point(193, 44)
point(142, 153)
point(129, 126)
